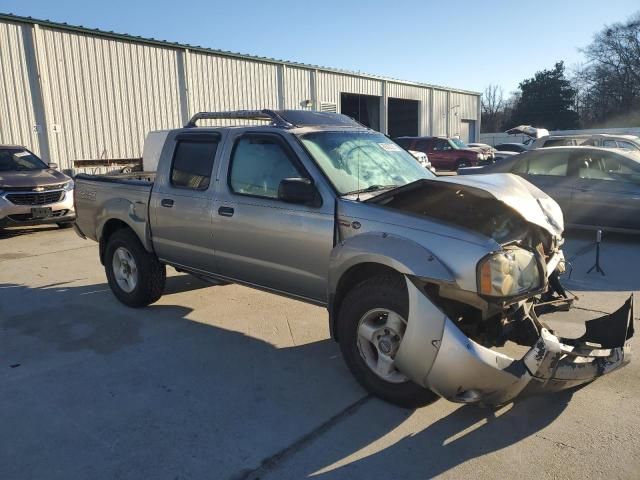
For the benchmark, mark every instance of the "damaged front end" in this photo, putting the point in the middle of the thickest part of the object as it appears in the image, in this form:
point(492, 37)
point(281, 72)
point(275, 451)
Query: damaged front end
point(464, 367)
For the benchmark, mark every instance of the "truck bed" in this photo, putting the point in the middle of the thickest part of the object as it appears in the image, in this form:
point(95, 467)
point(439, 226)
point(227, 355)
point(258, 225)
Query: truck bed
point(123, 196)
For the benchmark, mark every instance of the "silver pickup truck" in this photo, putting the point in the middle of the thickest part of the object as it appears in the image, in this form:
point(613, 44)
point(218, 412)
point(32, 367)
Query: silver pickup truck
point(426, 280)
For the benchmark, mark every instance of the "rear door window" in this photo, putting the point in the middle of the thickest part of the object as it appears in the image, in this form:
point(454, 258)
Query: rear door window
point(553, 164)
point(192, 163)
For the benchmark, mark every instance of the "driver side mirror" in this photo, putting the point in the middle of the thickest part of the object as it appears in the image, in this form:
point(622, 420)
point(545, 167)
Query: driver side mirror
point(300, 191)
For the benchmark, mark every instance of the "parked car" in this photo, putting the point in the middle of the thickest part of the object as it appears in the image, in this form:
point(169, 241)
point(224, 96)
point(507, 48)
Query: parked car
point(626, 142)
point(421, 275)
point(511, 147)
point(423, 160)
point(607, 140)
point(444, 153)
point(487, 150)
point(32, 192)
point(596, 187)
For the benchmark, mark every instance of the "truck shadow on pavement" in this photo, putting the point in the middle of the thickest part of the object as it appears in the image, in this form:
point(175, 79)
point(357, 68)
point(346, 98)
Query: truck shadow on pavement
point(156, 393)
point(467, 433)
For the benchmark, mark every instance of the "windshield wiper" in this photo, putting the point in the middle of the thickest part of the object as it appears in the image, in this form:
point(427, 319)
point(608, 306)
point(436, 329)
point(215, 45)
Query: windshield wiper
point(371, 188)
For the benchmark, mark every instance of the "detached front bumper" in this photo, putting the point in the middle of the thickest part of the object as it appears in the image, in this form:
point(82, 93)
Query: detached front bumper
point(463, 371)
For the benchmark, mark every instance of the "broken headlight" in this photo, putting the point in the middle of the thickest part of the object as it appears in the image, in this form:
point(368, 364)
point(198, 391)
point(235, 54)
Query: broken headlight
point(509, 273)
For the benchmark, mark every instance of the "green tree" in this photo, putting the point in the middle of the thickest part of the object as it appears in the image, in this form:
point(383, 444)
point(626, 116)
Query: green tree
point(547, 100)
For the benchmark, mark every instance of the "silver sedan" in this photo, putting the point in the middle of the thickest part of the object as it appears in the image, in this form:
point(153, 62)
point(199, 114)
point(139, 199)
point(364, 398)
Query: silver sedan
point(595, 187)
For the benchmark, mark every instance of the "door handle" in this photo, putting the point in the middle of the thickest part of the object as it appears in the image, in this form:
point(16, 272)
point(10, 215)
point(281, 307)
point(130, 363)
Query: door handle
point(226, 211)
point(166, 202)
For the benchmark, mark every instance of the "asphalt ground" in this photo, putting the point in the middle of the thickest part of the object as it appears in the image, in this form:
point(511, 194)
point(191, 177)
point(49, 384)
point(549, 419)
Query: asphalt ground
point(223, 382)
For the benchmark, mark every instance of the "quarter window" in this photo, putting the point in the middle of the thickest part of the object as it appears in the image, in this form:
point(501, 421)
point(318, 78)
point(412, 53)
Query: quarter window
point(258, 165)
point(193, 163)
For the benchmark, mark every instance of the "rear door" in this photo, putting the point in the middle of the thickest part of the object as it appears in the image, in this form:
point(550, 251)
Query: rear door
point(261, 240)
point(182, 200)
point(607, 190)
point(548, 170)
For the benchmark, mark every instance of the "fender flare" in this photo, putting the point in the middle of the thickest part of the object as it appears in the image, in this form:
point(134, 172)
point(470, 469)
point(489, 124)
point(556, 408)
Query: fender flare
point(401, 254)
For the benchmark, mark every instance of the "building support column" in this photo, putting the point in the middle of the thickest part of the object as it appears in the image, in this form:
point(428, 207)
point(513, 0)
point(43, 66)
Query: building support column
point(182, 59)
point(431, 109)
point(313, 88)
point(448, 115)
point(35, 88)
point(280, 71)
point(384, 107)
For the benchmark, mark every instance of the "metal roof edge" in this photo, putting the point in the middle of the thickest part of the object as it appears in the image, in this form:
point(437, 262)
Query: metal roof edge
point(164, 43)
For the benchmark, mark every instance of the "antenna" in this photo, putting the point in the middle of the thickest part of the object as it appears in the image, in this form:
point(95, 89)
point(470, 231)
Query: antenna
point(358, 152)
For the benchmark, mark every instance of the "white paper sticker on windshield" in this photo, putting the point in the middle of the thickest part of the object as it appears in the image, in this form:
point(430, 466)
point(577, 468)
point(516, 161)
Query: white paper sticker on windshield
point(390, 147)
point(21, 154)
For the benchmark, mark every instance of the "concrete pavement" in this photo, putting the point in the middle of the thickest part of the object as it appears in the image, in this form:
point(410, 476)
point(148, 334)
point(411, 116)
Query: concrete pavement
point(227, 382)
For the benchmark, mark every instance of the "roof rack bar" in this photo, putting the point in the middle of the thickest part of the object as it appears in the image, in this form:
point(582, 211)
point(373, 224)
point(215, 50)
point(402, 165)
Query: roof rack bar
point(265, 115)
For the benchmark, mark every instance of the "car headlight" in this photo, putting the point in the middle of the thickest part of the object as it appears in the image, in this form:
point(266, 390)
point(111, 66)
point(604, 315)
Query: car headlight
point(69, 185)
point(480, 156)
point(509, 273)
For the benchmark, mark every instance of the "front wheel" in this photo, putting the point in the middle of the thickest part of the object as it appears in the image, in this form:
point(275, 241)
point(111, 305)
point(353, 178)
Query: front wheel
point(461, 163)
point(135, 276)
point(371, 326)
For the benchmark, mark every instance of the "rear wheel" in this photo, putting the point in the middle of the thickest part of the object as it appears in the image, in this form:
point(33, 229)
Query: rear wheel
point(135, 276)
point(371, 326)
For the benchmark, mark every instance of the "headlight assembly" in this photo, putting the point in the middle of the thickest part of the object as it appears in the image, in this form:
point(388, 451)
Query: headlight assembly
point(509, 273)
point(69, 185)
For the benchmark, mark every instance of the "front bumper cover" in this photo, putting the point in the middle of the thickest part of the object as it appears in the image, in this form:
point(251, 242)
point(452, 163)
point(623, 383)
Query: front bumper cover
point(461, 370)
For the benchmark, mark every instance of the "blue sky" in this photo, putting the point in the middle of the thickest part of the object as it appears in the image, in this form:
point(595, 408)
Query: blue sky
point(464, 44)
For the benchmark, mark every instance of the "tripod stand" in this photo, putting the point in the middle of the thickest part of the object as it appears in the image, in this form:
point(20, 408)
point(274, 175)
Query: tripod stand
point(597, 266)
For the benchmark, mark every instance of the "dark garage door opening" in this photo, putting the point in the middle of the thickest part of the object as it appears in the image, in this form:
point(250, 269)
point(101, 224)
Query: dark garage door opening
point(364, 108)
point(403, 117)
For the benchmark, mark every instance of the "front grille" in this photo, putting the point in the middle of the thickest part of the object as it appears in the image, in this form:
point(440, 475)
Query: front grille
point(34, 198)
point(46, 188)
point(25, 217)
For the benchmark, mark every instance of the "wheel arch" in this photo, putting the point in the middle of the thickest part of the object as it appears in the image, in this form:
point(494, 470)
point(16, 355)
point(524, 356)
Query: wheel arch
point(376, 253)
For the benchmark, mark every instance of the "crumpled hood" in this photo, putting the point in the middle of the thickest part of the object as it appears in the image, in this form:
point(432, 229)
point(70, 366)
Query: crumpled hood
point(31, 178)
point(530, 202)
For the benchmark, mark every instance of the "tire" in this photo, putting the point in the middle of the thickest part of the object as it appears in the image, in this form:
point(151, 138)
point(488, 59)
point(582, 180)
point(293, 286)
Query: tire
point(148, 272)
point(386, 292)
point(65, 224)
point(461, 163)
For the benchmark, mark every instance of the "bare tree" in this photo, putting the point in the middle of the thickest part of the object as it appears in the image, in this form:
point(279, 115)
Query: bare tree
point(610, 80)
point(492, 108)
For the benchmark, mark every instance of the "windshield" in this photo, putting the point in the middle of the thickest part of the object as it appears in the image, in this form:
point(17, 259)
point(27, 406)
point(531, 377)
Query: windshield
point(457, 143)
point(19, 159)
point(357, 161)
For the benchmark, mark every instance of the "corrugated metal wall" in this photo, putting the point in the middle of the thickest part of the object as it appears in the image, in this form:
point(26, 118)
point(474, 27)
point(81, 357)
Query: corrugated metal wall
point(297, 86)
point(440, 112)
point(217, 83)
point(95, 96)
point(17, 116)
point(330, 85)
point(103, 95)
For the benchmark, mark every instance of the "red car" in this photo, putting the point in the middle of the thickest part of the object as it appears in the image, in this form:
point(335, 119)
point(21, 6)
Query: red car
point(444, 153)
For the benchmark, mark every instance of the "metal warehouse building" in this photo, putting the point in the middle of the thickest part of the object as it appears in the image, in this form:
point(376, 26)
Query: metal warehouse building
point(80, 97)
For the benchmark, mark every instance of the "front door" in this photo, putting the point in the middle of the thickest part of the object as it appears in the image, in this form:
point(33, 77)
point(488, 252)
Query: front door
point(182, 201)
point(261, 240)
